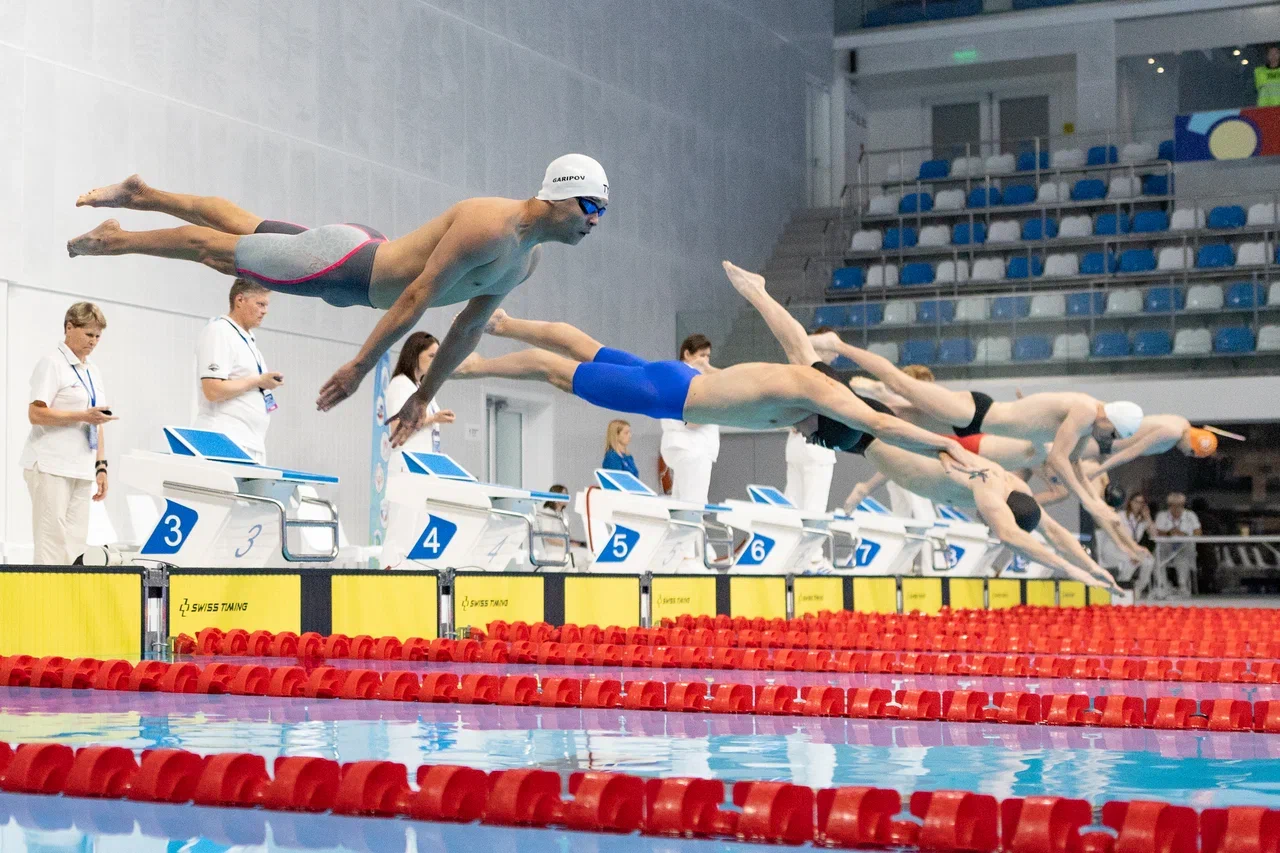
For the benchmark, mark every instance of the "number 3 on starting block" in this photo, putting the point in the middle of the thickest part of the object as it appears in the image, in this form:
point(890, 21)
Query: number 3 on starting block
point(435, 537)
point(619, 545)
point(171, 532)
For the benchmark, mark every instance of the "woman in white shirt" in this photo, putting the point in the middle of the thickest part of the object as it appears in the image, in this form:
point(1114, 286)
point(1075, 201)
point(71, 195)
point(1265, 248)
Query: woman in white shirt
point(65, 452)
point(416, 355)
point(691, 449)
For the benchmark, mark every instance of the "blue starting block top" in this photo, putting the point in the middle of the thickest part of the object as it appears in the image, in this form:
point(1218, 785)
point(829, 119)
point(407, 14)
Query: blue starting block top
point(622, 481)
point(438, 465)
point(873, 505)
point(218, 447)
point(950, 513)
point(769, 495)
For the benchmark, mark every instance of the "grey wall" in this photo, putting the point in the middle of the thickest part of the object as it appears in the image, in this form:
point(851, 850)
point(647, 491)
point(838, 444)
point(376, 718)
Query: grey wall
point(385, 112)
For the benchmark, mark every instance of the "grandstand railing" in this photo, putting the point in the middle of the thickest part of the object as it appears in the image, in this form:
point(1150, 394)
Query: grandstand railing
point(1247, 558)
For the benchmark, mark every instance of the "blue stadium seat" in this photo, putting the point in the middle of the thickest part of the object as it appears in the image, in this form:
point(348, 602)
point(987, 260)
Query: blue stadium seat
point(866, 314)
point(1088, 189)
point(935, 311)
point(984, 196)
point(1095, 263)
point(1245, 294)
point(931, 170)
point(1162, 300)
point(920, 272)
point(900, 238)
point(1010, 307)
point(835, 316)
point(1088, 304)
point(1027, 161)
point(1019, 194)
point(1110, 345)
point(956, 351)
point(916, 202)
point(918, 351)
point(1234, 339)
point(1035, 229)
point(961, 237)
point(1111, 223)
point(937, 10)
point(847, 278)
point(1150, 221)
point(1227, 216)
point(1152, 342)
point(905, 12)
point(1019, 5)
point(1137, 260)
point(1101, 155)
point(1156, 185)
point(1032, 348)
point(1167, 150)
point(1018, 267)
point(1215, 255)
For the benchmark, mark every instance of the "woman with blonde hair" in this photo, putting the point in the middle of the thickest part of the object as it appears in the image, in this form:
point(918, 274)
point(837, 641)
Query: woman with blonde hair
point(617, 443)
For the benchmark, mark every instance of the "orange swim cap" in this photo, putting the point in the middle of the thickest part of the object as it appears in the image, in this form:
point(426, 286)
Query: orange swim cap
point(1203, 443)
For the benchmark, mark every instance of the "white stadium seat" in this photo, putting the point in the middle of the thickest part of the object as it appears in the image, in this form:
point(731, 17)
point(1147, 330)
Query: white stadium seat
point(1062, 264)
point(971, 309)
point(1175, 258)
point(1067, 158)
point(963, 167)
point(882, 275)
point(1251, 254)
point(1137, 152)
point(1004, 231)
point(1075, 226)
point(1127, 300)
point(867, 241)
point(1072, 347)
point(899, 313)
point(1186, 219)
point(1204, 297)
point(887, 350)
point(949, 200)
point(1001, 164)
point(1269, 338)
point(993, 350)
point(935, 235)
point(883, 205)
point(952, 271)
point(1050, 192)
point(1192, 342)
point(1262, 213)
point(1124, 186)
point(1048, 305)
point(1273, 295)
point(987, 269)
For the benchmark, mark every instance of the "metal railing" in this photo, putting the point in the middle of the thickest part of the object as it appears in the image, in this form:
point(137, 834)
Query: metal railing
point(1170, 548)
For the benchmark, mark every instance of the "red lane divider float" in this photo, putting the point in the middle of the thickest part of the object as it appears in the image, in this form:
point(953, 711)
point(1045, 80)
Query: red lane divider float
point(600, 649)
point(770, 812)
point(327, 682)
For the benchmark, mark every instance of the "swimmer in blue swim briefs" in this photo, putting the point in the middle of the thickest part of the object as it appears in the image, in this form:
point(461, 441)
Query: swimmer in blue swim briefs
point(752, 396)
point(476, 252)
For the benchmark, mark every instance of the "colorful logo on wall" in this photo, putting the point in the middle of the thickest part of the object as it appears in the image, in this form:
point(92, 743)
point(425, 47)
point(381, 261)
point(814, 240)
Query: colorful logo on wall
point(1228, 134)
point(381, 452)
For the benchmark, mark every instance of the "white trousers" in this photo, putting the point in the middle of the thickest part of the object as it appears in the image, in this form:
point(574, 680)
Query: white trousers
point(809, 485)
point(59, 516)
point(690, 474)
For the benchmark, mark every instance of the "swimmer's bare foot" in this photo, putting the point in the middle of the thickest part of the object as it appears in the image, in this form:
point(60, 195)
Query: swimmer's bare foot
point(95, 242)
point(496, 325)
point(744, 282)
point(123, 194)
point(470, 364)
point(827, 343)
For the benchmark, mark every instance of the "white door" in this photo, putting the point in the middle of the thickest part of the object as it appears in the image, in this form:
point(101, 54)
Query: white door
point(504, 457)
point(818, 143)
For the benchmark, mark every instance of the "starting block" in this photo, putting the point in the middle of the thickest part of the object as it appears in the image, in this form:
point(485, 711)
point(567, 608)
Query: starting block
point(887, 544)
point(635, 530)
point(206, 503)
point(442, 517)
point(782, 538)
point(969, 549)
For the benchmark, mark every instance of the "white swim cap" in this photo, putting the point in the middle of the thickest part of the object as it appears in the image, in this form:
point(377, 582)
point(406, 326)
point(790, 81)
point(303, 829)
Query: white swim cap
point(574, 175)
point(1126, 417)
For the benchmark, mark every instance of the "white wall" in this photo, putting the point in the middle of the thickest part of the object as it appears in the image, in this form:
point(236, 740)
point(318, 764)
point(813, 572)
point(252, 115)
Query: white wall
point(384, 112)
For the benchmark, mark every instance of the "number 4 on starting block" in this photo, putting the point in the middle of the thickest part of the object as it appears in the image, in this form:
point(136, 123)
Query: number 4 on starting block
point(435, 537)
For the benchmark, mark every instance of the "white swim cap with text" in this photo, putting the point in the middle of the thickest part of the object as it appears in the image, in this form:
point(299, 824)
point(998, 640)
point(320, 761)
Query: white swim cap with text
point(573, 176)
point(1126, 417)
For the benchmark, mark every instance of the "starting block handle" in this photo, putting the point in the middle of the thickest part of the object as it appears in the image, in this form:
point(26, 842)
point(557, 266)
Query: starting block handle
point(285, 522)
point(535, 535)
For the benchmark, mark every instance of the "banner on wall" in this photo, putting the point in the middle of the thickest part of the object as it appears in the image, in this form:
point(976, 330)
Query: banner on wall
point(380, 452)
point(1228, 134)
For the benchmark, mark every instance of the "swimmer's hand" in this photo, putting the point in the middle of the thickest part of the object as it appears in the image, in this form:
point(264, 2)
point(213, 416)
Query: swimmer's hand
point(340, 386)
point(411, 418)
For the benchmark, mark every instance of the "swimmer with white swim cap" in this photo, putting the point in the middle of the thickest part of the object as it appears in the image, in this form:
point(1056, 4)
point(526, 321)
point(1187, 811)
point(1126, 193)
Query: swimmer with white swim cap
point(476, 252)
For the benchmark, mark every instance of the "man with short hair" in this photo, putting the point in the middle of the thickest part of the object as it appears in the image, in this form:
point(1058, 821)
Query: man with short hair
point(1177, 520)
point(691, 449)
point(236, 389)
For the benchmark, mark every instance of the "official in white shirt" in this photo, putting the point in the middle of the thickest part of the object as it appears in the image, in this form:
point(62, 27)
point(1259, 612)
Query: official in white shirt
point(236, 389)
point(66, 452)
point(1177, 520)
point(690, 450)
point(416, 356)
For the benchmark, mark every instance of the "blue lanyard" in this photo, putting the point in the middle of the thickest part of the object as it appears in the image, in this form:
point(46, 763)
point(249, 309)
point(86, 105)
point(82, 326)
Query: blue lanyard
point(93, 392)
point(252, 351)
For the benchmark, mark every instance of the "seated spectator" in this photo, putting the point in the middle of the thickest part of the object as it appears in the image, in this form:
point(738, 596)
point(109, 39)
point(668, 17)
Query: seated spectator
point(1177, 520)
point(1266, 78)
point(617, 442)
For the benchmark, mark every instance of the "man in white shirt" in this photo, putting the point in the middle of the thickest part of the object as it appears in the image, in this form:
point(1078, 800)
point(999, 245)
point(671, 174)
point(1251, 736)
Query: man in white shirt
point(65, 452)
point(235, 386)
point(1177, 520)
point(691, 449)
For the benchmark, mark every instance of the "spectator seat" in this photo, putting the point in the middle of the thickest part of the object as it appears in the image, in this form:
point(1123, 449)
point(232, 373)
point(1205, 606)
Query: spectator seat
point(1088, 189)
point(882, 275)
point(1067, 158)
point(1111, 345)
point(1138, 152)
point(1192, 342)
point(1088, 303)
point(1004, 231)
point(1215, 256)
point(1246, 294)
point(1051, 192)
point(1125, 300)
point(1269, 338)
point(949, 200)
point(919, 272)
point(1150, 222)
point(1162, 300)
point(932, 170)
point(1048, 305)
point(918, 351)
point(1062, 265)
point(1227, 216)
point(1233, 339)
point(980, 197)
point(866, 314)
point(885, 349)
point(835, 316)
point(1174, 258)
point(1124, 186)
point(1111, 223)
point(1032, 348)
point(1252, 253)
point(916, 203)
point(1186, 219)
point(949, 272)
point(867, 240)
point(1027, 161)
point(971, 309)
point(1204, 297)
point(1010, 307)
point(1001, 164)
point(1098, 263)
point(1038, 228)
point(1020, 268)
point(1137, 260)
point(1101, 155)
point(996, 349)
point(1019, 194)
point(1152, 342)
point(883, 205)
point(1156, 184)
point(935, 311)
point(1075, 226)
point(1070, 347)
point(935, 235)
point(1262, 213)
point(900, 238)
point(956, 351)
point(847, 278)
point(899, 313)
point(987, 269)
point(962, 234)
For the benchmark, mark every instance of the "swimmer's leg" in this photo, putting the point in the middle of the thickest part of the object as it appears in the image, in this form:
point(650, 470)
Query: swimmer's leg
point(210, 211)
point(569, 341)
point(187, 243)
point(951, 407)
point(533, 364)
point(787, 329)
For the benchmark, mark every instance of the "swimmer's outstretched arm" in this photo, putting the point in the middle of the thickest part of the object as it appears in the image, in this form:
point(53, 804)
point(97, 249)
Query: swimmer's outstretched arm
point(863, 489)
point(1143, 441)
point(995, 512)
point(785, 328)
point(1069, 546)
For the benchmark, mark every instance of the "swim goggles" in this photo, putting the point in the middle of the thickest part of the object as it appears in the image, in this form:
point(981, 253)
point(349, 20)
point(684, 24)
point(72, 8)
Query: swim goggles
point(589, 207)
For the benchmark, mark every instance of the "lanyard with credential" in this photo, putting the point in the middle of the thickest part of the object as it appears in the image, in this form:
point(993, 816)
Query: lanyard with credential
point(267, 397)
point(93, 397)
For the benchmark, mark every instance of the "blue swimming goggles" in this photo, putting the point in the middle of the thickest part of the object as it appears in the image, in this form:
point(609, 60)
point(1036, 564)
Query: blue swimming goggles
point(589, 207)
